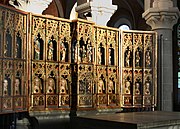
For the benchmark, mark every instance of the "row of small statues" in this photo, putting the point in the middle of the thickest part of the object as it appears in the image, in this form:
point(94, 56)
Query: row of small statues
point(50, 51)
point(101, 87)
point(138, 59)
point(6, 87)
point(127, 89)
point(85, 53)
point(37, 86)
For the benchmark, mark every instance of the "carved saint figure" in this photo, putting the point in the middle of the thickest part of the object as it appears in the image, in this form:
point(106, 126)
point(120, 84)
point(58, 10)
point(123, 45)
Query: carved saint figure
point(5, 87)
point(37, 50)
point(50, 50)
point(37, 85)
point(83, 50)
point(17, 86)
point(77, 56)
point(50, 86)
point(18, 46)
point(101, 86)
point(109, 57)
point(63, 86)
point(99, 55)
point(148, 59)
point(137, 86)
point(17, 50)
point(127, 87)
point(110, 86)
point(147, 90)
point(127, 58)
point(137, 59)
point(63, 52)
point(89, 51)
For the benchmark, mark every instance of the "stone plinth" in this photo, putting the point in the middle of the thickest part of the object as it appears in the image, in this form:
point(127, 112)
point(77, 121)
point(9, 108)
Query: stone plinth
point(133, 120)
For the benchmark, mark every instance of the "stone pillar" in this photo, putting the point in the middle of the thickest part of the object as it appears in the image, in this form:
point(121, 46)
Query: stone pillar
point(161, 16)
point(98, 11)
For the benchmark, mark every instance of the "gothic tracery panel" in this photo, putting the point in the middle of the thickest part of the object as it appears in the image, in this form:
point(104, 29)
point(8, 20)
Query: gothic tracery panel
point(101, 46)
point(38, 37)
point(65, 41)
point(64, 88)
point(20, 36)
point(85, 89)
point(38, 84)
point(141, 61)
point(52, 78)
point(52, 32)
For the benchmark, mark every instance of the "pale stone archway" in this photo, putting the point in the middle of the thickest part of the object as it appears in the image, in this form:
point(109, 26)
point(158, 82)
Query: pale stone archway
point(73, 14)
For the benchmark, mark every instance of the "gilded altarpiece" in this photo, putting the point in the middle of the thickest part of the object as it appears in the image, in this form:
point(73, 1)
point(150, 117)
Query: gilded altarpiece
point(13, 61)
point(139, 70)
point(107, 86)
point(51, 72)
point(73, 64)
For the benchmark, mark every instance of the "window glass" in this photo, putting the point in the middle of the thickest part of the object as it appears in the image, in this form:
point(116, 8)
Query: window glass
point(178, 53)
point(178, 79)
point(124, 27)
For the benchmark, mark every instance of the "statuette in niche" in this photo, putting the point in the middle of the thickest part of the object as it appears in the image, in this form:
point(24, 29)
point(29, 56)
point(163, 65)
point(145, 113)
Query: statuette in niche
point(101, 86)
point(63, 86)
point(17, 86)
point(127, 87)
point(51, 85)
point(37, 85)
point(50, 50)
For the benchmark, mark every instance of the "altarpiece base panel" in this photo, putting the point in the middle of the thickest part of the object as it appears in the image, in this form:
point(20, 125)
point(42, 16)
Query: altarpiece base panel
point(49, 63)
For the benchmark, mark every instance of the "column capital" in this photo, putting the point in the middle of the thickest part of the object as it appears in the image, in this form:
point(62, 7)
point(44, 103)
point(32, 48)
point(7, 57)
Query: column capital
point(34, 6)
point(161, 17)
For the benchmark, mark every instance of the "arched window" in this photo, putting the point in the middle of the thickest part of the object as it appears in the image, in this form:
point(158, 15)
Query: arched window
point(124, 27)
point(123, 23)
